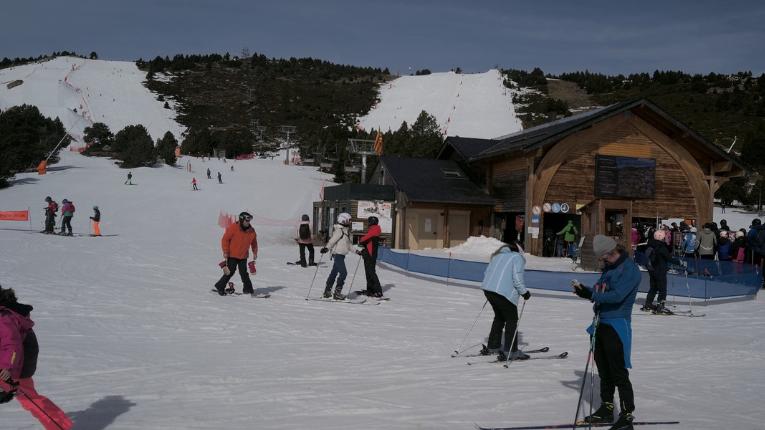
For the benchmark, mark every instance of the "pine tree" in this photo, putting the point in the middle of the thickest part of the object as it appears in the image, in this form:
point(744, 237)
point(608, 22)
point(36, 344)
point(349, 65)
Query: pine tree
point(134, 147)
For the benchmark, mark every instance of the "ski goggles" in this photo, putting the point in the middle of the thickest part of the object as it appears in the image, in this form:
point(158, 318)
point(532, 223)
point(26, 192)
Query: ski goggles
point(246, 218)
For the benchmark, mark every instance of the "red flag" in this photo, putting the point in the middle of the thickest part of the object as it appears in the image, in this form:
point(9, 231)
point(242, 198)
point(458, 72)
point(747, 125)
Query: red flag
point(378, 143)
point(14, 215)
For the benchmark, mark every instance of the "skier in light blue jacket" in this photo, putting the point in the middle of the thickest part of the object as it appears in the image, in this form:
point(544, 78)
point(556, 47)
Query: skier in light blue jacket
point(503, 285)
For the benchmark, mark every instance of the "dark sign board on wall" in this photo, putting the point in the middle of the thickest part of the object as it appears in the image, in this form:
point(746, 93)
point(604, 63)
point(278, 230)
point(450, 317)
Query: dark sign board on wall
point(625, 177)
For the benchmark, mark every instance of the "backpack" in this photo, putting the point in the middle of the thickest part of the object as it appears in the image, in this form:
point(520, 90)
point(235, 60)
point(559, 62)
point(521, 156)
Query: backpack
point(650, 257)
point(304, 232)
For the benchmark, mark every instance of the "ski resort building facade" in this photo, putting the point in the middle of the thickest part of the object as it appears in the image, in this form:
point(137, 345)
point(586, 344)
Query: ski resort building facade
point(604, 170)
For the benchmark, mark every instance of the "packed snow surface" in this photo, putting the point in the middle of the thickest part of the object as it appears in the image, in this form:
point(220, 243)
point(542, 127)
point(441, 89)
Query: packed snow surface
point(81, 92)
point(132, 338)
point(468, 105)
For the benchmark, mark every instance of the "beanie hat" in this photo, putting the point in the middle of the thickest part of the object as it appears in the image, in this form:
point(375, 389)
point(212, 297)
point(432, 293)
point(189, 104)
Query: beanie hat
point(603, 244)
point(304, 217)
point(659, 235)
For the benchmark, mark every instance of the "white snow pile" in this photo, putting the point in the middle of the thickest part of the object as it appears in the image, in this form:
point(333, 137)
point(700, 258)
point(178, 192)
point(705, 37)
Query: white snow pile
point(476, 245)
point(131, 337)
point(468, 105)
point(81, 92)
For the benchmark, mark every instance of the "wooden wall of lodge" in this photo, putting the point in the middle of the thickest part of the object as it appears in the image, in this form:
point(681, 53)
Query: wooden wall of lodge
point(480, 221)
point(566, 172)
point(574, 182)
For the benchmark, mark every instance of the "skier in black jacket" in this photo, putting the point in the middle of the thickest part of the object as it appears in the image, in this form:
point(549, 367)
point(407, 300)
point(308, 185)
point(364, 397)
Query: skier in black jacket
point(659, 260)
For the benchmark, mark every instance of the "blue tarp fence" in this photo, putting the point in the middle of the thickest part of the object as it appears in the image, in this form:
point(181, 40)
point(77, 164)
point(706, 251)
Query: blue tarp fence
point(706, 279)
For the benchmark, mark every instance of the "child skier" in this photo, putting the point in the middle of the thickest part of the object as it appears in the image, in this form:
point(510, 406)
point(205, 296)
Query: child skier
point(50, 215)
point(18, 362)
point(304, 241)
point(340, 244)
point(96, 219)
point(66, 220)
point(194, 184)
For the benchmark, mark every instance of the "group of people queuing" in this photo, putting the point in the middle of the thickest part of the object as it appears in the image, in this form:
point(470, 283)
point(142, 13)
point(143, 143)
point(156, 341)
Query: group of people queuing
point(613, 297)
point(67, 213)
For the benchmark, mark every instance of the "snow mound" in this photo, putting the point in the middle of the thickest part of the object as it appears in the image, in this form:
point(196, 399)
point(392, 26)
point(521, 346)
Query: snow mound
point(476, 245)
point(469, 105)
point(80, 92)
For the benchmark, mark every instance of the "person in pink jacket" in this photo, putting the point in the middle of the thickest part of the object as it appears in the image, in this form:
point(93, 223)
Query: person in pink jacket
point(18, 362)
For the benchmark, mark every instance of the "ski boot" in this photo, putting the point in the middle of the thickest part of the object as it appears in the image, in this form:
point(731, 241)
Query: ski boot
point(485, 350)
point(312, 263)
point(624, 422)
point(604, 415)
point(662, 310)
point(230, 288)
point(648, 307)
point(338, 296)
point(327, 292)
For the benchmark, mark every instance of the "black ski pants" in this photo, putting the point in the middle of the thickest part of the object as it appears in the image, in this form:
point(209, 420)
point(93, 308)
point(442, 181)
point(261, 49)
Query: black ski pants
point(66, 224)
point(505, 317)
point(609, 356)
point(373, 282)
point(233, 264)
point(50, 223)
point(658, 284)
point(303, 247)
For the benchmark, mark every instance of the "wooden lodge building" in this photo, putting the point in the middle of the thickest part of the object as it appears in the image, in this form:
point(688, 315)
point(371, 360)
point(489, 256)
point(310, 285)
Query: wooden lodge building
point(604, 169)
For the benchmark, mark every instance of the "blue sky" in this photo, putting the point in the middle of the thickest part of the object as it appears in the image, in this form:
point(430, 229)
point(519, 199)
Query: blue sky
point(604, 36)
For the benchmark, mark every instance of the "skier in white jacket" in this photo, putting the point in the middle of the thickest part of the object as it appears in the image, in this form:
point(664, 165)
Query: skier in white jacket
point(340, 244)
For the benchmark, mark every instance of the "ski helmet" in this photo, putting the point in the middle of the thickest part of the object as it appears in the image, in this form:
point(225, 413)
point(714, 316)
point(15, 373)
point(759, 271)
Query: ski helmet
point(344, 218)
point(48, 199)
point(245, 216)
point(372, 220)
point(95, 208)
point(659, 235)
point(756, 222)
point(304, 217)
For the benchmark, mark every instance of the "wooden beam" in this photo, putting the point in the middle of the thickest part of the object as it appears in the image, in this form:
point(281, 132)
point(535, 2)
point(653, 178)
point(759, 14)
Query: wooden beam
point(722, 166)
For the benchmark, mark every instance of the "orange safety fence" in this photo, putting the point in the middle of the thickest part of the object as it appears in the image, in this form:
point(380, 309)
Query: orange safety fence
point(14, 215)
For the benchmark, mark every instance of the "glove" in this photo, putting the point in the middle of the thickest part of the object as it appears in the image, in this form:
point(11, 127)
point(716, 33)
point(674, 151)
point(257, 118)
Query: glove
point(582, 291)
point(324, 250)
point(526, 295)
point(6, 396)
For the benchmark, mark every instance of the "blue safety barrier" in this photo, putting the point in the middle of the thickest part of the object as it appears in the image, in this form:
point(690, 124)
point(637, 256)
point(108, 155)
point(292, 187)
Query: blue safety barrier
point(705, 279)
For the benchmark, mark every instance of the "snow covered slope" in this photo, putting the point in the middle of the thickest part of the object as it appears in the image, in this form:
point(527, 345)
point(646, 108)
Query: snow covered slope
point(131, 338)
point(81, 92)
point(467, 105)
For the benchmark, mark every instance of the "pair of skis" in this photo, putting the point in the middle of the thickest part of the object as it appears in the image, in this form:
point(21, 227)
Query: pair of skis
point(578, 425)
point(254, 296)
point(543, 349)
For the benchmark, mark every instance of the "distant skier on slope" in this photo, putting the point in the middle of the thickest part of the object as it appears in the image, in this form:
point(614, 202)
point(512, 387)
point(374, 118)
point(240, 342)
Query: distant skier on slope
point(194, 184)
point(208, 173)
point(129, 180)
point(220, 178)
point(236, 242)
point(339, 244)
point(659, 259)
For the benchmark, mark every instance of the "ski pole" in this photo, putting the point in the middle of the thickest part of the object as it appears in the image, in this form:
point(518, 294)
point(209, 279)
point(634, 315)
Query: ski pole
point(353, 278)
point(595, 323)
point(459, 349)
point(314, 276)
point(15, 385)
point(515, 334)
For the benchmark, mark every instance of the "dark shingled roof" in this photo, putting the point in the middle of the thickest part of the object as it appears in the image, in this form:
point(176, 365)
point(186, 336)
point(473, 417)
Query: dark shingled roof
point(359, 192)
point(552, 132)
point(424, 180)
point(467, 147)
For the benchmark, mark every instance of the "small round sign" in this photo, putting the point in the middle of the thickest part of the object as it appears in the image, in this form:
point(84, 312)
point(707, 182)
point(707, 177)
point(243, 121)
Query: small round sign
point(546, 207)
point(536, 210)
point(556, 207)
point(564, 208)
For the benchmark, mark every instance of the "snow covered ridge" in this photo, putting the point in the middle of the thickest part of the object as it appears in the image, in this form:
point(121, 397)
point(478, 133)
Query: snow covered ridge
point(80, 92)
point(468, 105)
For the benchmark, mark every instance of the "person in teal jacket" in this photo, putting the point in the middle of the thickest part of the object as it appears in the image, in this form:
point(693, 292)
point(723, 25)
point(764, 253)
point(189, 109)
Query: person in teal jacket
point(613, 297)
point(569, 233)
point(503, 285)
